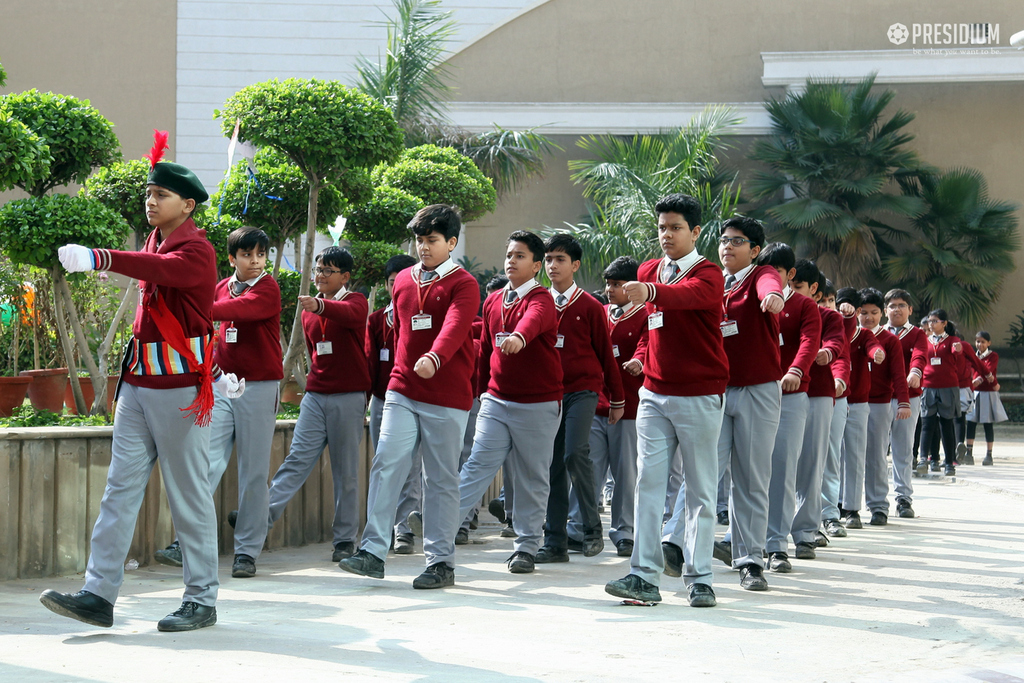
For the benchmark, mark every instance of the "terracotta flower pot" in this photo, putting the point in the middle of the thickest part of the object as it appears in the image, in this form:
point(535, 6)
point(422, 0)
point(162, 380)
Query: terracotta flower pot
point(12, 393)
point(291, 392)
point(47, 389)
point(88, 394)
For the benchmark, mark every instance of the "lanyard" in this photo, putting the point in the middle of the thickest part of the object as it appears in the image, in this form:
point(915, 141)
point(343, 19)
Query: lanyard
point(504, 313)
point(424, 293)
point(566, 308)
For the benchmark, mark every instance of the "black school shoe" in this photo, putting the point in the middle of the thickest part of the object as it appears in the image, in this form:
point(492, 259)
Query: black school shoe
point(853, 520)
point(521, 562)
point(904, 509)
point(632, 587)
point(701, 595)
point(437, 575)
point(550, 554)
point(244, 567)
point(779, 563)
point(497, 509)
point(364, 564)
point(342, 550)
point(573, 545)
point(624, 547)
point(723, 520)
point(805, 551)
point(189, 617)
point(169, 556)
point(673, 559)
point(462, 537)
point(592, 546)
point(404, 544)
point(878, 518)
point(752, 578)
point(83, 606)
point(722, 551)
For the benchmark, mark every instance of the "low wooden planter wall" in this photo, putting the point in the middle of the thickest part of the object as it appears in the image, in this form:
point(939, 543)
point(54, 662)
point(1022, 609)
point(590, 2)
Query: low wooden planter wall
point(52, 481)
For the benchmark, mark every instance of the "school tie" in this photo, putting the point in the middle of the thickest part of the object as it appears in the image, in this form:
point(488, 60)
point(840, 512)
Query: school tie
point(560, 299)
point(427, 275)
point(510, 296)
point(729, 282)
point(893, 330)
point(617, 313)
point(669, 272)
point(240, 287)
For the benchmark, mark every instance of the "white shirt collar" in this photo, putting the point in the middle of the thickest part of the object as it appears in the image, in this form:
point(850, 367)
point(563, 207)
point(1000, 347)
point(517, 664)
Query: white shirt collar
point(342, 293)
point(739, 275)
point(250, 283)
point(787, 292)
point(442, 269)
point(627, 308)
point(568, 294)
point(522, 290)
point(684, 263)
point(936, 339)
point(876, 328)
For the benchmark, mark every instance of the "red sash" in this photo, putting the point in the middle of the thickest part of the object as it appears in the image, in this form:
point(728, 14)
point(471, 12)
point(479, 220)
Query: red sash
point(170, 329)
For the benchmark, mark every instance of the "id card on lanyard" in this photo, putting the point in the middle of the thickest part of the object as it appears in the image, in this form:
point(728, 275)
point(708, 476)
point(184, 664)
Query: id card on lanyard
point(423, 321)
point(324, 347)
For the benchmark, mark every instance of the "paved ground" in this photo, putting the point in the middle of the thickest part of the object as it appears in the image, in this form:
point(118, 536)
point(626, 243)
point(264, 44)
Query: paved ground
point(938, 598)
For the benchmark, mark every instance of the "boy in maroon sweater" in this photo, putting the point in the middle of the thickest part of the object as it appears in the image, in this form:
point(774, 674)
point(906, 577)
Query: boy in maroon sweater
point(685, 373)
point(427, 402)
point(521, 385)
point(380, 354)
point(588, 365)
point(163, 404)
point(800, 340)
point(888, 382)
point(332, 409)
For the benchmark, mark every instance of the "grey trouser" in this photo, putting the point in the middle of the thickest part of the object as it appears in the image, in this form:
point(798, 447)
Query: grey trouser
point(248, 423)
point(467, 450)
point(571, 462)
point(902, 435)
point(782, 488)
point(876, 461)
point(437, 432)
point(809, 468)
point(411, 497)
point(334, 421)
point(522, 433)
point(830, 475)
point(149, 427)
point(611, 447)
point(851, 461)
point(746, 444)
point(664, 424)
point(675, 483)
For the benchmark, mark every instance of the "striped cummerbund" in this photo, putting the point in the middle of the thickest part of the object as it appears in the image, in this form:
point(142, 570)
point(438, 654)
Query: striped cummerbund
point(158, 358)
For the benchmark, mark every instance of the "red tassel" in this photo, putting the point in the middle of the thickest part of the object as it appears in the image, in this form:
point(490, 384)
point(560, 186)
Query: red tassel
point(159, 145)
point(202, 407)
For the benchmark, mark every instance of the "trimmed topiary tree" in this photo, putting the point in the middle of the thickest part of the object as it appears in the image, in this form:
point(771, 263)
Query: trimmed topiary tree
point(441, 175)
point(24, 157)
point(121, 187)
point(385, 218)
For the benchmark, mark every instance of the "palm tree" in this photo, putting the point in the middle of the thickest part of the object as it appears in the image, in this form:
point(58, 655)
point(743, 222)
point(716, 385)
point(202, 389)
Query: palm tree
point(833, 165)
point(413, 81)
point(961, 248)
point(626, 177)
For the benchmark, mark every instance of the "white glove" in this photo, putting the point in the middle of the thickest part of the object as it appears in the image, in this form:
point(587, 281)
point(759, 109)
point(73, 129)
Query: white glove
point(229, 386)
point(76, 258)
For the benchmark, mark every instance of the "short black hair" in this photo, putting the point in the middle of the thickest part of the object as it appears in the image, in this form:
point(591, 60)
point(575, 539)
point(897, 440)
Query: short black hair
point(807, 271)
point(898, 294)
point(398, 263)
point(984, 335)
point(683, 204)
point(825, 287)
point(848, 295)
point(565, 242)
point(623, 268)
point(534, 243)
point(246, 238)
point(869, 296)
point(496, 283)
point(751, 228)
point(599, 295)
point(440, 218)
point(336, 257)
point(778, 255)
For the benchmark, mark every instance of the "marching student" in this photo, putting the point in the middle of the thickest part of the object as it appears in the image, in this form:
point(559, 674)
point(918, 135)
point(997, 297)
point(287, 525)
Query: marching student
point(681, 405)
point(518, 418)
point(588, 366)
point(988, 408)
point(830, 514)
point(914, 342)
point(828, 381)
point(888, 383)
point(613, 445)
point(967, 366)
point(799, 343)
point(164, 403)
point(380, 354)
point(333, 407)
point(427, 402)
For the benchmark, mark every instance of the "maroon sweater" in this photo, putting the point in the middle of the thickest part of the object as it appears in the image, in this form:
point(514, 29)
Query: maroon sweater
point(991, 361)
point(182, 270)
point(534, 375)
point(343, 324)
point(861, 348)
point(941, 370)
point(256, 315)
point(889, 378)
point(833, 342)
point(968, 364)
point(914, 343)
point(380, 336)
point(754, 353)
point(451, 301)
point(684, 357)
point(588, 363)
point(626, 333)
point(800, 337)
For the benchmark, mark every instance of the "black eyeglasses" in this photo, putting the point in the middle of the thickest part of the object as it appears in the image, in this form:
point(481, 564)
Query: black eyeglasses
point(734, 241)
point(325, 271)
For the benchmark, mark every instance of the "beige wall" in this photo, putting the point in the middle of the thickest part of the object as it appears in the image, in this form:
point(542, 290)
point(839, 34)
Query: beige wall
point(693, 51)
point(118, 54)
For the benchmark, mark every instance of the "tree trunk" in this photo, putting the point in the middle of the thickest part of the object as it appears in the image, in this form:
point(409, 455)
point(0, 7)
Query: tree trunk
point(17, 339)
point(99, 382)
point(296, 343)
point(99, 406)
point(279, 247)
point(65, 340)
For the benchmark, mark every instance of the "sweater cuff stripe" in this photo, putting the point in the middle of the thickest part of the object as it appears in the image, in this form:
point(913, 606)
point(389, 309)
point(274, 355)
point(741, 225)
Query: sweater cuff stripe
point(101, 259)
point(796, 371)
point(617, 404)
point(433, 358)
point(521, 337)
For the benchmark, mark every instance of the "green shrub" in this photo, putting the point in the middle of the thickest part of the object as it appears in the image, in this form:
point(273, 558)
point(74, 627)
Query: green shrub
point(385, 218)
point(32, 229)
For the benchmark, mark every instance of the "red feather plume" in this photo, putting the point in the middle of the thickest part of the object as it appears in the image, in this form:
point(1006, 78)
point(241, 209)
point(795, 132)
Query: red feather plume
point(159, 145)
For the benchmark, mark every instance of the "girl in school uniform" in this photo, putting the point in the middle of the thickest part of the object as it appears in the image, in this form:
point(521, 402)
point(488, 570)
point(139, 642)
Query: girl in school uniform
point(988, 409)
point(940, 401)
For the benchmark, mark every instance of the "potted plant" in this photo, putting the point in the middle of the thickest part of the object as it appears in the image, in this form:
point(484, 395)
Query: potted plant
point(12, 393)
point(46, 390)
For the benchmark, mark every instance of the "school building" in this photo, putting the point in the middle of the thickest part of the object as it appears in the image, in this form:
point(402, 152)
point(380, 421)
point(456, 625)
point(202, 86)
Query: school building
point(576, 67)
